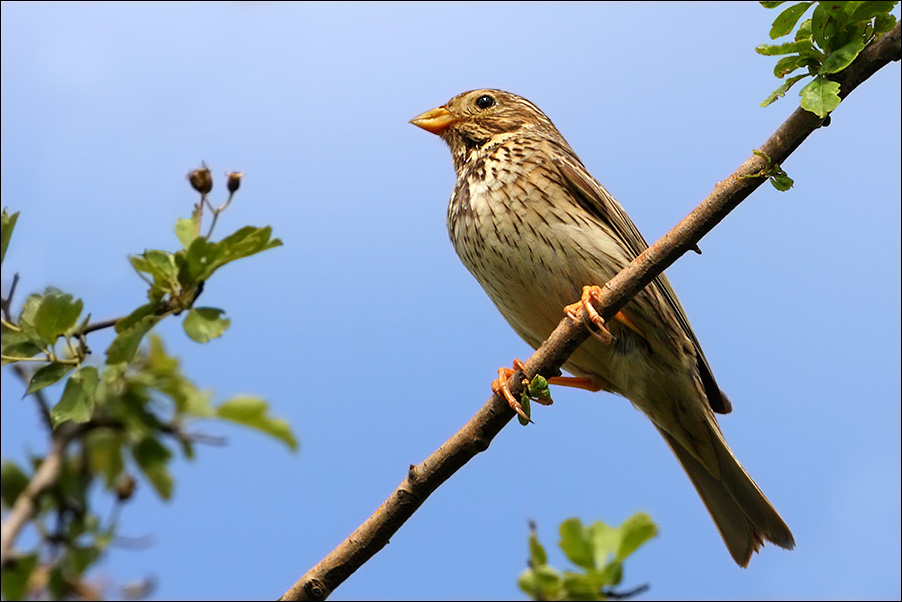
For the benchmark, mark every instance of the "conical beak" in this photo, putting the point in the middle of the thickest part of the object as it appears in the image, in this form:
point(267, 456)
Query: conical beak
point(435, 121)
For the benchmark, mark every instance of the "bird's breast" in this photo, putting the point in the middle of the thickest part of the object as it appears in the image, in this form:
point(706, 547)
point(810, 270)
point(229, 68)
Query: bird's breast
point(525, 239)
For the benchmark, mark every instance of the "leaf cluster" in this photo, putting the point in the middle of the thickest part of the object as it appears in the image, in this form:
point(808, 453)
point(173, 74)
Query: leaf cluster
point(597, 550)
point(122, 418)
point(824, 45)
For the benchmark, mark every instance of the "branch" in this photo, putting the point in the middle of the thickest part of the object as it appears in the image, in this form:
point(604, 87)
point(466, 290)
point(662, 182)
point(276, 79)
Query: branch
point(477, 434)
point(44, 479)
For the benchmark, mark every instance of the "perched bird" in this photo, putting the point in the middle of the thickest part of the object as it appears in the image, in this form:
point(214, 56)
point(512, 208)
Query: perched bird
point(534, 228)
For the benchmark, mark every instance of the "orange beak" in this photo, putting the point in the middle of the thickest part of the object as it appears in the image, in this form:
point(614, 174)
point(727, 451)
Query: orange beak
point(435, 121)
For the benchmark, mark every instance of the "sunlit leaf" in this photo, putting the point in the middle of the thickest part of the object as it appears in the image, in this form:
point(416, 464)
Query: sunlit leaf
point(204, 324)
point(786, 21)
point(253, 412)
point(152, 457)
point(820, 96)
point(48, 375)
point(7, 225)
point(77, 402)
point(57, 314)
point(575, 543)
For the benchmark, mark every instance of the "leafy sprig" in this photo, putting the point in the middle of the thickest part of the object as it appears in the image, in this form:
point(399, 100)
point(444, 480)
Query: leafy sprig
point(125, 417)
point(597, 550)
point(824, 45)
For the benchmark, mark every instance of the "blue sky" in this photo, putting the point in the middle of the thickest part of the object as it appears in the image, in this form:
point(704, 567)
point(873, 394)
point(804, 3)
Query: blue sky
point(366, 332)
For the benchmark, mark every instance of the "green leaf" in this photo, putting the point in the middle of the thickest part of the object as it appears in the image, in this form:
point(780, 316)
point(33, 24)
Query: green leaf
point(104, 450)
point(16, 575)
point(125, 345)
point(77, 402)
point(252, 412)
point(842, 58)
point(186, 231)
point(790, 63)
point(48, 375)
point(781, 91)
point(884, 23)
point(820, 96)
point(16, 343)
point(152, 457)
point(204, 257)
point(537, 555)
point(57, 314)
point(611, 574)
point(7, 224)
point(865, 11)
point(581, 586)
point(604, 540)
point(247, 241)
point(13, 481)
point(786, 21)
point(781, 182)
point(538, 387)
point(541, 583)
point(635, 531)
point(136, 316)
point(822, 26)
point(161, 264)
point(804, 31)
point(771, 4)
point(204, 324)
point(787, 48)
point(575, 543)
point(527, 409)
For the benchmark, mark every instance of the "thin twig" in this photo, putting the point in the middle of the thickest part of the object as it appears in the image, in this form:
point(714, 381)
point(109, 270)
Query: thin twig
point(95, 326)
point(7, 302)
point(319, 582)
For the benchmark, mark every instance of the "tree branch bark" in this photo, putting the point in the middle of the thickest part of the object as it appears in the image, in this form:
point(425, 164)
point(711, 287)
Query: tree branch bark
point(44, 479)
point(370, 537)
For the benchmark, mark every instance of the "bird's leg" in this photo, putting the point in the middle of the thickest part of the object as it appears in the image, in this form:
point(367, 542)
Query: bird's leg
point(590, 294)
point(579, 382)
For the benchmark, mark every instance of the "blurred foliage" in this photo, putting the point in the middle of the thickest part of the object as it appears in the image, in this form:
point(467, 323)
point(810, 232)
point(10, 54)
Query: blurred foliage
point(597, 550)
point(123, 417)
point(824, 45)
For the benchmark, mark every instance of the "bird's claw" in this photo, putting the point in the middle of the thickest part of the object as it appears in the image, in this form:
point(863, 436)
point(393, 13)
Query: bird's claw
point(499, 387)
point(590, 294)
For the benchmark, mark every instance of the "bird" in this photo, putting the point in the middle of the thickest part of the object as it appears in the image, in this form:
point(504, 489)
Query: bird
point(537, 231)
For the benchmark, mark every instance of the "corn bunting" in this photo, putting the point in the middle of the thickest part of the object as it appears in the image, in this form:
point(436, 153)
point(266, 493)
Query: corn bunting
point(534, 227)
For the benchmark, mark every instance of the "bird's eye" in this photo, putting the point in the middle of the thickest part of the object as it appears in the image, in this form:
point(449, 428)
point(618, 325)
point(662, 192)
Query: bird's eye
point(485, 101)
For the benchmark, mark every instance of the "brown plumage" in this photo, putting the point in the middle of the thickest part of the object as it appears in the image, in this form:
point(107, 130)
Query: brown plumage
point(534, 227)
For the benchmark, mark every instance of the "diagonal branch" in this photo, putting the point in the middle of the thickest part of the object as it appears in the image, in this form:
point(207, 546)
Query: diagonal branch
point(44, 479)
point(478, 433)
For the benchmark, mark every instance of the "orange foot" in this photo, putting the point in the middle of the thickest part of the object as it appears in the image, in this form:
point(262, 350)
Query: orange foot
point(499, 386)
point(590, 294)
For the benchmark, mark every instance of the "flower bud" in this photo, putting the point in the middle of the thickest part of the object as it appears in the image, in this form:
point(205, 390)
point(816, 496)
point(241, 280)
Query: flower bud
point(234, 181)
point(201, 180)
point(125, 487)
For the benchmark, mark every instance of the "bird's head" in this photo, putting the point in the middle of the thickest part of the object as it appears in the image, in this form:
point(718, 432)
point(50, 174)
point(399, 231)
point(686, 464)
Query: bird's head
point(472, 119)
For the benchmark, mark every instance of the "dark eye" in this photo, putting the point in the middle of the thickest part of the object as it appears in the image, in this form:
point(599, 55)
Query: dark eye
point(485, 101)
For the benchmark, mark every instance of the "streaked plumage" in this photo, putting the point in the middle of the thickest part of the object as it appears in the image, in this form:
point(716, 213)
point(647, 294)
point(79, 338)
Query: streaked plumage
point(533, 227)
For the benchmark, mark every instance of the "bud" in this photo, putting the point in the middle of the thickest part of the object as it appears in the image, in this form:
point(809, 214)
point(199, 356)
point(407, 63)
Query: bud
point(234, 181)
point(125, 487)
point(201, 180)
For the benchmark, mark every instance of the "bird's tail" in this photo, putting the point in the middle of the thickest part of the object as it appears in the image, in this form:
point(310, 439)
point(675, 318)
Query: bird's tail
point(743, 515)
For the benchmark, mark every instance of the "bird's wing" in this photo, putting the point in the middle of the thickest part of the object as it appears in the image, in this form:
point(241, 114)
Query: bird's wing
point(594, 198)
